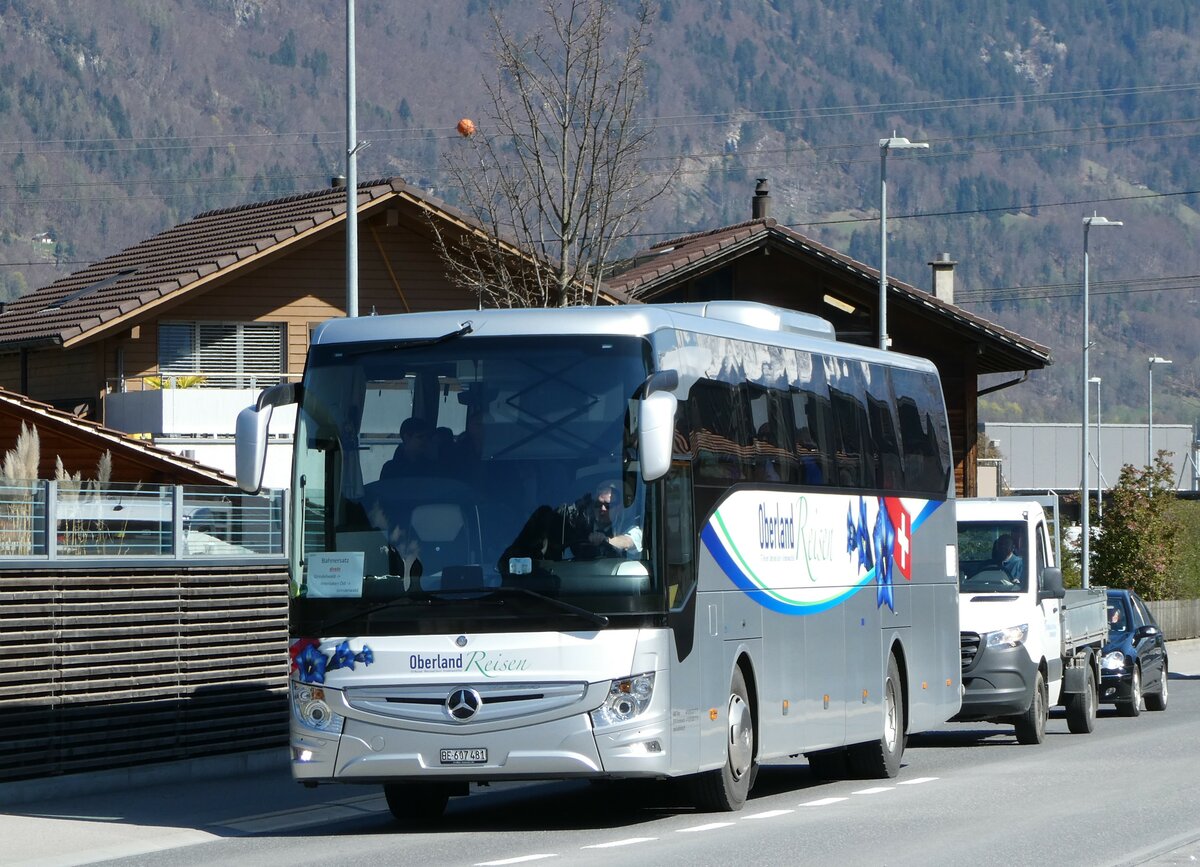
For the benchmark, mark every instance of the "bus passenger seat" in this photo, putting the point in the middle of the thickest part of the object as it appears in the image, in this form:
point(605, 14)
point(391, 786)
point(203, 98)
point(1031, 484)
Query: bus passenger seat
point(442, 531)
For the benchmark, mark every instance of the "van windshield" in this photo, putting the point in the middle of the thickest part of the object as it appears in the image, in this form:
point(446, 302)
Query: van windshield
point(991, 557)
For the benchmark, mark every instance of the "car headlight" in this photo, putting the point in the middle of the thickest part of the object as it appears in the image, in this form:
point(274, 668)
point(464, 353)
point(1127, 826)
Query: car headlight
point(1113, 661)
point(312, 711)
point(626, 698)
point(1013, 636)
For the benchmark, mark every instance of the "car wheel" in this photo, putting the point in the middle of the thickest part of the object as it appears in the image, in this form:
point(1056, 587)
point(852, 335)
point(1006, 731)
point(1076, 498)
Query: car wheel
point(1031, 725)
point(1158, 700)
point(1082, 706)
point(726, 789)
point(1133, 706)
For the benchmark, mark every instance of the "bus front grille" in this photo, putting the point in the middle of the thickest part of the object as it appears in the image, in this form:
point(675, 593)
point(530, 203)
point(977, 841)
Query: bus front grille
point(491, 702)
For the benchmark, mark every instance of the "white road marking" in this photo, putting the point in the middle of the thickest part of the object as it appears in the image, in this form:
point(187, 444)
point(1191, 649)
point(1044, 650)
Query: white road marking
point(821, 802)
point(630, 842)
point(518, 860)
point(711, 826)
point(874, 790)
point(916, 782)
point(769, 814)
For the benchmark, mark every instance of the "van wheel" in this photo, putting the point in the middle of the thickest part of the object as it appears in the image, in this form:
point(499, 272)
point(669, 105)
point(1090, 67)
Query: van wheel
point(1031, 725)
point(881, 759)
point(1082, 706)
point(726, 789)
point(416, 804)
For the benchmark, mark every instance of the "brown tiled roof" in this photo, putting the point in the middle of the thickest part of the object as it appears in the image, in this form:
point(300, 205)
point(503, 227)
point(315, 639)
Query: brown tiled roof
point(668, 263)
point(166, 464)
point(170, 263)
point(188, 256)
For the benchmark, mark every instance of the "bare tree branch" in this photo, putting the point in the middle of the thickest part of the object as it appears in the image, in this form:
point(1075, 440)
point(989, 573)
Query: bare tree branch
point(556, 169)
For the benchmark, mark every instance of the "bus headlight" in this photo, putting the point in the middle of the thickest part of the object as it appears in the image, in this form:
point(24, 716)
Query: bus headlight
point(626, 698)
point(312, 711)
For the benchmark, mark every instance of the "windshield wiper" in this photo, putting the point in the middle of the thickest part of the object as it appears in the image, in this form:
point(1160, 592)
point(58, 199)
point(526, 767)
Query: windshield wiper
point(565, 607)
point(466, 329)
point(425, 599)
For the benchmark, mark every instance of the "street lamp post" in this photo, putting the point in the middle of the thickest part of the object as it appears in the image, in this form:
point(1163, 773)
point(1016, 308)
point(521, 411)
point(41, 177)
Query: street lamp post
point(1157, 359)
point(1099, 454)
point(1084, 517)
point(895, 143)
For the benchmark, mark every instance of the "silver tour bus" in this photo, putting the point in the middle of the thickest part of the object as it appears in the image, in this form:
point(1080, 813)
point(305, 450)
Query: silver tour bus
point(648, 541)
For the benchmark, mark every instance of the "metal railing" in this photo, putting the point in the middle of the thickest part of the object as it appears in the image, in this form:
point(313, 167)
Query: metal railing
point(63, 520)
point(197, 379)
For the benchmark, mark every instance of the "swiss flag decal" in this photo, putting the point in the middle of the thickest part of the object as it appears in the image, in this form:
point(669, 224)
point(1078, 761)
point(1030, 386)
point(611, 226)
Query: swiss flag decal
point(902, 548)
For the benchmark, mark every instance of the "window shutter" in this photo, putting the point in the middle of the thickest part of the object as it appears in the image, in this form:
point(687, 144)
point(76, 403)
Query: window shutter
point(226, 354)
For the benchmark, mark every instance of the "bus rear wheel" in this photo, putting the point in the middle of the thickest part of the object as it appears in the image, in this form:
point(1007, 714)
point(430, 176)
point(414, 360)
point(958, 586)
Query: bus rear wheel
point(881, 759)
point(416, 804)
point(726, 789)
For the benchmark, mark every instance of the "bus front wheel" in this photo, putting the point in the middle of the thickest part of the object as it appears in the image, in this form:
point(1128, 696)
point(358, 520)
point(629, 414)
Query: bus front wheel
point(726, 789)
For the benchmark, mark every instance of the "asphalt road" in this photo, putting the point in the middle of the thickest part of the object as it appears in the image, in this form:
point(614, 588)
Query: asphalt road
point(1129, 793)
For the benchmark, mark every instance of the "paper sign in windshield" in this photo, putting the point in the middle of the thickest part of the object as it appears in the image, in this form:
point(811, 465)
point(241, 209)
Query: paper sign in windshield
point(334, 575)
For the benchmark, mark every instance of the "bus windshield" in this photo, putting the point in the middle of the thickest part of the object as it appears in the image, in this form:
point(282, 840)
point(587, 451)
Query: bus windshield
point(471, 483)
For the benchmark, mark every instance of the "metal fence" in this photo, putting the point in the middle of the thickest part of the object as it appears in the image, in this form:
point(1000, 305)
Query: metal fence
point(62, 520)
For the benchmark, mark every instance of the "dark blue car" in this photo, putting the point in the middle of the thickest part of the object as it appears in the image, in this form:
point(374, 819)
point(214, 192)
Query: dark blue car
point(1134, 666)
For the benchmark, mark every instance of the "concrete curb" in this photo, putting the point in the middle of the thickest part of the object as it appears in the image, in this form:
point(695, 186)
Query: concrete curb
point(119, 779)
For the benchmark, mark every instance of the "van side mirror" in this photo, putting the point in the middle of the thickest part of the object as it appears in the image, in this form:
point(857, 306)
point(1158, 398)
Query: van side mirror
point(1051, 584)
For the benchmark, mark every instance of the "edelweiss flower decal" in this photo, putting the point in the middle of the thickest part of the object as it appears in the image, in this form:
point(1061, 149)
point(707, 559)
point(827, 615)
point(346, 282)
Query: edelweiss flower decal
point(858, 537)
point(312, 664)
point(885, 541)
point(874, 546)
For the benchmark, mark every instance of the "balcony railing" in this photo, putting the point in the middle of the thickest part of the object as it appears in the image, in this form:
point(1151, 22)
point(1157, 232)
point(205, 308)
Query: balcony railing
point(53, 520)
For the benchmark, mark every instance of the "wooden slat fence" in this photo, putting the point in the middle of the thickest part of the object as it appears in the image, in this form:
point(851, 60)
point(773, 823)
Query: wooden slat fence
point(1179, 618)
point(113, 668)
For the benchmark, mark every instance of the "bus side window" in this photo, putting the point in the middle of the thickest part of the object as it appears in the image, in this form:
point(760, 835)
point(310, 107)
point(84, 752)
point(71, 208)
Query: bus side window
point(810, 408)
point(679, 534)
point(717, 413)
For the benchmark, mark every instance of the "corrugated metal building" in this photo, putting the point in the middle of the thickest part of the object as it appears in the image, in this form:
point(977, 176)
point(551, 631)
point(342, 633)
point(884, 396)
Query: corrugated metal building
point(1041, 457)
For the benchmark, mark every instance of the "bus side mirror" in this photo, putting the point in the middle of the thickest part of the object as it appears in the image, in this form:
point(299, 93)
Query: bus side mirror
point(250, 434)
point(250, 445)
point(656, 433)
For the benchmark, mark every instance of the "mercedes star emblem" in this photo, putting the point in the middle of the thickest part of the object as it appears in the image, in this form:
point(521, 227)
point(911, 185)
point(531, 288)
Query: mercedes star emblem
point(463, 703)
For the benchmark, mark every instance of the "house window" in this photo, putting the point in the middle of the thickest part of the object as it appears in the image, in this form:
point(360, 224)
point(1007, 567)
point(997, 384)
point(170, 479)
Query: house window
point(225, 354)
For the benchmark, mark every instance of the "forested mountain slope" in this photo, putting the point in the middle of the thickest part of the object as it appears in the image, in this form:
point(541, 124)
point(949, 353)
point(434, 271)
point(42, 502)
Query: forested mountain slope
point(123, 117)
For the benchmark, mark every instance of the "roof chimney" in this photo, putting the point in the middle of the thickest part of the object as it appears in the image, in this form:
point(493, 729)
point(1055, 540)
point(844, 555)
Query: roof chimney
point(337, 182)
point(943, 278)
point(760, 205)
